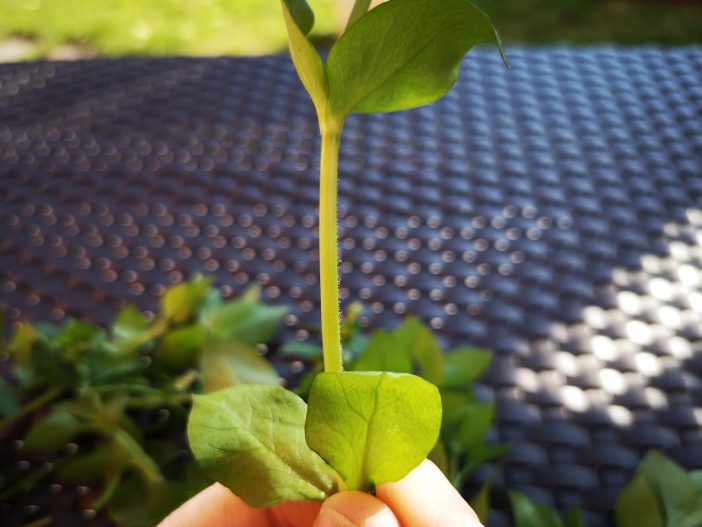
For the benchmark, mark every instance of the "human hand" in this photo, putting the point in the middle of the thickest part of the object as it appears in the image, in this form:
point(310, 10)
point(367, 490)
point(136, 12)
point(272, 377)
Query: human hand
point(424, 498)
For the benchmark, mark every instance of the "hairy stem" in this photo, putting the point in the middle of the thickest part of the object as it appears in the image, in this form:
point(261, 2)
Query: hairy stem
point(328, 250)
point(360, 7)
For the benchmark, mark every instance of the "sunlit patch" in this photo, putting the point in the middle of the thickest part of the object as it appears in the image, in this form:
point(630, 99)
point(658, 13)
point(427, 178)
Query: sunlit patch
point(527, 379)
point(661, 289)
point(689, 275)
point(613, 381)
point(629, 303)
point(639, 332)
point(680, 348)
point(648, 364)
point(695, 301)
point(595, 317)
point(620, 415)
point(566, 363)
point(670, 317)
point(604, 348)
point(680, 251)
point(655, 397)
point(575, 399)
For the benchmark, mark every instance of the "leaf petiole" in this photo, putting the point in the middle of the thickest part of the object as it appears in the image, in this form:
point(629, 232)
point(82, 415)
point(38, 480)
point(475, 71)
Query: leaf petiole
point(328, 248)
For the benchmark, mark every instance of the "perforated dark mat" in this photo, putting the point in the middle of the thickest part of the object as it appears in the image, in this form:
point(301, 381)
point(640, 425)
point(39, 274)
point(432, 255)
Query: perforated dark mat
point(552, 212)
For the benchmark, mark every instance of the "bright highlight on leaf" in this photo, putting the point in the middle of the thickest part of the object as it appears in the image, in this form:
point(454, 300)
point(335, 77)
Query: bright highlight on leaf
point(372, 427)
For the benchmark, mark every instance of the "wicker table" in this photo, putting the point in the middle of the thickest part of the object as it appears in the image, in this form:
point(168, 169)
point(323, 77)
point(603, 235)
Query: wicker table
point(552, 213)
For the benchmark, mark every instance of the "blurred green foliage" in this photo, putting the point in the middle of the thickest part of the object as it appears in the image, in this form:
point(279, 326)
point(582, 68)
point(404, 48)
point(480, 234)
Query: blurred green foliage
point(254, 27)
point(155, 27)
point(669, 22)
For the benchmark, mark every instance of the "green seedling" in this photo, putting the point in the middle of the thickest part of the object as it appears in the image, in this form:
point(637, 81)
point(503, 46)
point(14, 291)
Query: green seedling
point(360, 429)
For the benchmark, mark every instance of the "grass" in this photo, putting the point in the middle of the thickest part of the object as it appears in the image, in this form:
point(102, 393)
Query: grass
point(155, 27)
point(253, 27)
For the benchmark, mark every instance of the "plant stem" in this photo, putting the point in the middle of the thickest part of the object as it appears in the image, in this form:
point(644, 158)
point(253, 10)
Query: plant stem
point(360, 7)
point(328, 250)
point(45, 398)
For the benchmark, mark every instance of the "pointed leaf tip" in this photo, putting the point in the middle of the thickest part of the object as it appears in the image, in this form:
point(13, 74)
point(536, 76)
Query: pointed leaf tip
point(301, 13)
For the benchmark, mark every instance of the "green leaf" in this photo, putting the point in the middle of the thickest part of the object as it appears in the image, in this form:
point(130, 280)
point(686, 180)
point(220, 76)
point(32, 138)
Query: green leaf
point(574, 518)
point(227, 363)
point(20, 347)
point(251, 438)
point(637, 505)
point(136, 456)
point(246, 321)
point(464, 366)
point(481, 503)
point(180, 302)
point(678, 493)
point(482, 453)
point(302, 350)
point(467, 427)
point(131, 329)
point(372, 427)
point(139, 503)
point(384, 354)
point(403, 54)
point(305, 384)
point(9, 403)
point(54, 431)
point(107, 462)
point(95, 466)
point(454, 400)
point(439, 457)
point(68, 420)
point(422, 346)
point(299, 20)
point(696, 476)
point(180, 349)
point(528, 513)
point(78, 334)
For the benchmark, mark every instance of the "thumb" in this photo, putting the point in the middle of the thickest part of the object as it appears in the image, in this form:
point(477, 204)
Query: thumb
point(355, 509)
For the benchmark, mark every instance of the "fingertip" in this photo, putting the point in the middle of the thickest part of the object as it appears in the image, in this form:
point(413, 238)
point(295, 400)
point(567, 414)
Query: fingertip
point(425, 498)
point(215, 506)
point(355, 509)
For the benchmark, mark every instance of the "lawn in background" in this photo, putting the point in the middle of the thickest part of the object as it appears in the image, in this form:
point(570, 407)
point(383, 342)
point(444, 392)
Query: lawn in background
point(155, 27)
point(254, 27)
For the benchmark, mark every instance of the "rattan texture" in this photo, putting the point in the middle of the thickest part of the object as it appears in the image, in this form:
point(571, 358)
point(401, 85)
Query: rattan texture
point(552, 213)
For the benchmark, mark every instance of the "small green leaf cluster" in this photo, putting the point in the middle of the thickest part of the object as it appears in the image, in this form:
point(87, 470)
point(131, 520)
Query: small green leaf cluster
point(122, 396)
point(661, 494)
point(529, 513)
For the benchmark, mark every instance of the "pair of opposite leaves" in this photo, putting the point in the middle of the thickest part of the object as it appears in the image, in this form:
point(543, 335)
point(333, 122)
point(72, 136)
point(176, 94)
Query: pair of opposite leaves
point(360, 429)
point(401, 54)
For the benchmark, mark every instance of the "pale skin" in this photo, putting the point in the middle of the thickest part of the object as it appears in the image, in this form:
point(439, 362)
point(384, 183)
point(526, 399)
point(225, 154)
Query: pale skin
point(424, 498)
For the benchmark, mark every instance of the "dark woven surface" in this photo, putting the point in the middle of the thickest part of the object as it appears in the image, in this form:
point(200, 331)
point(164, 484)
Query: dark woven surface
point(552, 213)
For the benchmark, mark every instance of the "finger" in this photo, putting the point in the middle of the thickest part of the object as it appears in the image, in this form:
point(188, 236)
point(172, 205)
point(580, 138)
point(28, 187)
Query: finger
point(355, 509)
point(216, 506)
point(294, 513)
point(425, 498)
